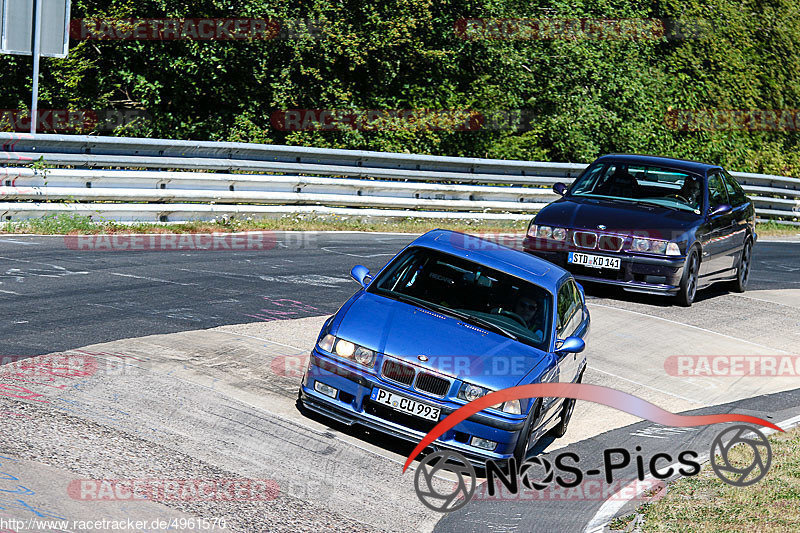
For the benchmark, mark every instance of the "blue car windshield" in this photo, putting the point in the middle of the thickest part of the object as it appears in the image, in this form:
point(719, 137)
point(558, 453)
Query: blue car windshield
point(641, 184)
point(471, 292)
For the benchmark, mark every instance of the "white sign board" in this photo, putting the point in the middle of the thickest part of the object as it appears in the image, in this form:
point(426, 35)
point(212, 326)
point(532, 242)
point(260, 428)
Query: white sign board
point(16, 32)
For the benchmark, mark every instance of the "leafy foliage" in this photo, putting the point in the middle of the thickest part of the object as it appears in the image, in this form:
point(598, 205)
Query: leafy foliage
point(588, 96)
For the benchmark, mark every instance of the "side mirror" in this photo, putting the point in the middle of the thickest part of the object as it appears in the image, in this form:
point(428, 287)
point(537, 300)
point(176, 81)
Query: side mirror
point(720, 210)
point(360, 273)
point(559, 188)
point(570, 345)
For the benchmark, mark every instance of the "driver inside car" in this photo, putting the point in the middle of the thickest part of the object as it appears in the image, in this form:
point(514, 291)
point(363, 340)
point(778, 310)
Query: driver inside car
point(528, 309)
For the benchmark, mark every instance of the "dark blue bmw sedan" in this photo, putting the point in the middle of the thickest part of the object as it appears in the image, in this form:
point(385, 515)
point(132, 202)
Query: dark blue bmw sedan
point(649, 224)
point(449, 319)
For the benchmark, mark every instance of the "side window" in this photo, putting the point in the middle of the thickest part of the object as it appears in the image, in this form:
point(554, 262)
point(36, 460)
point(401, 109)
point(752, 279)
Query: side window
point(570, 312)
point(716, 191)
point(735, 192)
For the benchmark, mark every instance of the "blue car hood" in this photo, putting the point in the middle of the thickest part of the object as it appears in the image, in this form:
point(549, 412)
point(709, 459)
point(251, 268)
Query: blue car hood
point(588, 213)
point(452, 347)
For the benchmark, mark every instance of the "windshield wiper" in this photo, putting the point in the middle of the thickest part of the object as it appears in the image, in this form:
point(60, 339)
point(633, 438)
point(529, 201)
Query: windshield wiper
point(475, 321)
point(464, 317)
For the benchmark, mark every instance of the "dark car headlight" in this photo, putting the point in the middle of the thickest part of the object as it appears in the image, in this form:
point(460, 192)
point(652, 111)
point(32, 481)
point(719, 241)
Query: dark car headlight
point(347, 350)
point(654, 246)
point(547, 232)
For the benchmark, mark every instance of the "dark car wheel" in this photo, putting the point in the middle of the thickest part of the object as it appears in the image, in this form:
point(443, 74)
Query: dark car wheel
point(743, 270)
point(566, 414)
point(525, 437)
point(688, 287)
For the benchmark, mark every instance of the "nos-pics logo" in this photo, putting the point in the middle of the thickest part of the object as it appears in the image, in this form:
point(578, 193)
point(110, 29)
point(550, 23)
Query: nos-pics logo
point(438, 492)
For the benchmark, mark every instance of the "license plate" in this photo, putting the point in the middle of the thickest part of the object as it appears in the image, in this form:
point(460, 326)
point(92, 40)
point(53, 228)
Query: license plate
point(593, 261)
point(405, 405)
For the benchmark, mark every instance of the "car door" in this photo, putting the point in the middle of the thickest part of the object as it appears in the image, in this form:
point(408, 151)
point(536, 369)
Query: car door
point(571, 320)
point(740, 205)
point(718, 242)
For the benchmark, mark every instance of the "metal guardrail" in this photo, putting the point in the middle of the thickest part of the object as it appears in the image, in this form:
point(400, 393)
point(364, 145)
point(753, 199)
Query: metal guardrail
point(130, 179)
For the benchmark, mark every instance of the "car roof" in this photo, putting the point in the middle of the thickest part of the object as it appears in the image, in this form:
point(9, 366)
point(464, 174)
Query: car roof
point(680, 164)
point(515, 262)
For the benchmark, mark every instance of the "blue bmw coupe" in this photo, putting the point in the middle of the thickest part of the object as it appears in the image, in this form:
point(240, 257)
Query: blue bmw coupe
point(450, 318)
point(649, 224)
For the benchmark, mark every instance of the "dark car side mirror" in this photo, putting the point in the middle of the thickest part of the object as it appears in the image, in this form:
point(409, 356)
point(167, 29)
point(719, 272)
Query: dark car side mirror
point(360, 273)
point(720, 210)
point(559, 188)
point(570, 345)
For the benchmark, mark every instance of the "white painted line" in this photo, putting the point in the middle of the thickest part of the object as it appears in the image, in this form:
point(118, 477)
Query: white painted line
point(690, 400)
point(360, 256)
point(763, 300)
point(20, 242)
point(691, 326)
point(612, 506)
point(158, 280)
point(266, 340)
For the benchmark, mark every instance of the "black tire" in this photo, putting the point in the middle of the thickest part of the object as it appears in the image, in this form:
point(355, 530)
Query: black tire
point(566, 414)
point(689, 280)
point(523, 444)
point(743, 269)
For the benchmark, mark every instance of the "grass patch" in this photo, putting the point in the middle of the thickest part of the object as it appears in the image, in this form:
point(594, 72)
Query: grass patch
point(68, 224)
point(776, 229)
point(705, 503)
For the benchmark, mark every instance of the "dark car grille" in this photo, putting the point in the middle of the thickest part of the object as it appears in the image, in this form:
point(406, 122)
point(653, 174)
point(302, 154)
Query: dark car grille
point(432, 384)
point(398, 372)
point(610, 243)
point(584, 239)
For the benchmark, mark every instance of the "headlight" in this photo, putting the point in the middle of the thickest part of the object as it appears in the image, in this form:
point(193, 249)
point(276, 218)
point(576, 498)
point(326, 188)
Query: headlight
point(673, 249)
point(641, 245)
point(326, 343)
point(364, 356)
point(532, 230)
point(655, 246)
point(658, 247)
point(559, 234)
point(347, 350)
point(545, 232)
point(471, 392)
point(511, 407)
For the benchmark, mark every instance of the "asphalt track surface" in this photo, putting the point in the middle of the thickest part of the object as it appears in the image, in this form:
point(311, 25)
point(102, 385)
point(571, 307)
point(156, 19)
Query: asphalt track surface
point(192, 384)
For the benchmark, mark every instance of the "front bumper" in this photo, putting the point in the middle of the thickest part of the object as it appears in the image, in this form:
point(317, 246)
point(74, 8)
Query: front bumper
point(353, 406)
point(637, 273)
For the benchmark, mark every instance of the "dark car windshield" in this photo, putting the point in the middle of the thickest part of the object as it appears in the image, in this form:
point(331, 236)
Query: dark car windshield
point(473, 293)
point(642, 184)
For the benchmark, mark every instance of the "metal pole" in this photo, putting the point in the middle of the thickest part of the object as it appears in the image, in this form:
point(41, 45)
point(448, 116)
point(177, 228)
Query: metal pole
point(37, 41)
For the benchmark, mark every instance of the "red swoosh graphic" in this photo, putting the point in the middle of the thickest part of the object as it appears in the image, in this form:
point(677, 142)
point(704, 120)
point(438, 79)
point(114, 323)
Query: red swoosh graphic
point(619, 400)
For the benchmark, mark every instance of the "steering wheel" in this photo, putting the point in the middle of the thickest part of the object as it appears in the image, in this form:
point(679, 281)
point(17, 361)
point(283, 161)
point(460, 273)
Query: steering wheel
point(685, 200)
point(512, 315)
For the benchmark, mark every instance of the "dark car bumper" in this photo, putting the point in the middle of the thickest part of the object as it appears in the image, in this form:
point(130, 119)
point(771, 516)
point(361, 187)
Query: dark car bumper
point(352, 406)
point(637, 273)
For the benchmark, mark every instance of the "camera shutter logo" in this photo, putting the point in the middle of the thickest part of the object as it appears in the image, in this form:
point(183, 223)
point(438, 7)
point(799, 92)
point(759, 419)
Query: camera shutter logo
point(525, 474)
point(734, 474)
point(458, 495)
